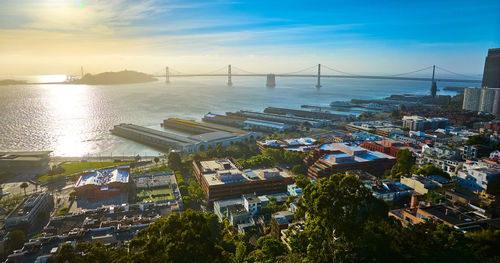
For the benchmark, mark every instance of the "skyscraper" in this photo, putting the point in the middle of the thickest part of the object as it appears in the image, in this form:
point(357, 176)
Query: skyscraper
point(491, 81)
point(487, 97)
point(472, 99)
point(491, 74)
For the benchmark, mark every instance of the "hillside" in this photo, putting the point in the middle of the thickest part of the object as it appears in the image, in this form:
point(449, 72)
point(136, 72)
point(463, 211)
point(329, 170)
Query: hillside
point(122, 77)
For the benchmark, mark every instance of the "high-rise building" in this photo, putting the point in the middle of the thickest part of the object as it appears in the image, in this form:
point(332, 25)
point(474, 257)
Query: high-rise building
point(487, 99)
point(491, 74)
point(490, 99)
point(472, 99)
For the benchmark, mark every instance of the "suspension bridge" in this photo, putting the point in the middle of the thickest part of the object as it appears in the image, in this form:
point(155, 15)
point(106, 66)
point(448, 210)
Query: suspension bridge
point(232, 71)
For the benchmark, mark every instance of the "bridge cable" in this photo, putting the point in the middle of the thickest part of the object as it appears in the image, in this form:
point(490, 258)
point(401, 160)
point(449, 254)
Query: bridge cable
point(339, 71)
point(410, 72)
point(295, 72)
point(449, 71)
point(244, 71)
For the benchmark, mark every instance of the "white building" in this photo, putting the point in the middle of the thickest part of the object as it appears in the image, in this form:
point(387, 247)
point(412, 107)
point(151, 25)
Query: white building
point(476, 175)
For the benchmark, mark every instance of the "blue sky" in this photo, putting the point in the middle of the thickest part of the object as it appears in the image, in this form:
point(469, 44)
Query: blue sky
point(56, 36)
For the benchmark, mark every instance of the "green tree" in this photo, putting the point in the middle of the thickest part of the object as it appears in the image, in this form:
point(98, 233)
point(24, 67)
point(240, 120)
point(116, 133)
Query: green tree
point(241, 252)
point(66, 254)
point(23, 186)
point(195, 191)
point(157, 160)
point(219, 149)
point(337, 209)
point(478, 139)
point(404, 164)
point(16, 239)
point(192, 237)
point(299, 169)
point(271, 248)
point(174, 161)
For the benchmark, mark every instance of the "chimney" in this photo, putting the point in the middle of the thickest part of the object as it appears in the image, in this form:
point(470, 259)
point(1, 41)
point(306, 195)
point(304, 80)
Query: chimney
point(413, 202)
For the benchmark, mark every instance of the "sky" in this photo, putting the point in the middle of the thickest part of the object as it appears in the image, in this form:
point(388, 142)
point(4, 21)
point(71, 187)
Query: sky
point(359, 37)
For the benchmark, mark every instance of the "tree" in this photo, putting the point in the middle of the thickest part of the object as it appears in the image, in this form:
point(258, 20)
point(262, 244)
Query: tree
point(299, 169)
point(337, 210)
point(192, 237)
point(16, 239)
point(174, 161)
point(219, 149)
point(478, 139)
point(66, 254)
point(195, 191)
point(271, 248)
point(404, 164)
point(24, 185)
point(157, 160)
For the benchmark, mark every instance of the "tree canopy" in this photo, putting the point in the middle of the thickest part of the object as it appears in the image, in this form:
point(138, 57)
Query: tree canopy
point(404, 164)
point(174, 161)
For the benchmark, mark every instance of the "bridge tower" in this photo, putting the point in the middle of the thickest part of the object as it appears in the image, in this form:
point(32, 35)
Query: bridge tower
point(318, 85)
point(271, 81)
point(167, 75)
point(433, 85)
point(229, 82)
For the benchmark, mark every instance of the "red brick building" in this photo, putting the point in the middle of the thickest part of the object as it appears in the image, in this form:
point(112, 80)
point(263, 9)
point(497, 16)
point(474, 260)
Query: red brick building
point(222, 179)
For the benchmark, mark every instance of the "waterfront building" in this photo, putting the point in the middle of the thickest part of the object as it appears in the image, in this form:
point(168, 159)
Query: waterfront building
point(290, 120)
point(223, 179)
point(472, 99)
point(331, 158)
point(27, 212)
point(233, 121)
point(96, 184)
point(267, 126)
point(36, 162)
point(309, 114)
point(197, 142)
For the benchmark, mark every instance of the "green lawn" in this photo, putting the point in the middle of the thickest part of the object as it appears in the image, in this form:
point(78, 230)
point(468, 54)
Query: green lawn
point(147, 195)
point(76, 167)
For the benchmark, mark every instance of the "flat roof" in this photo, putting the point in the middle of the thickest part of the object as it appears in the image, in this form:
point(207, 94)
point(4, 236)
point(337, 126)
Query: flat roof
point(266, 123)
point(212, 171)
point(213, 136)
point(344, 151)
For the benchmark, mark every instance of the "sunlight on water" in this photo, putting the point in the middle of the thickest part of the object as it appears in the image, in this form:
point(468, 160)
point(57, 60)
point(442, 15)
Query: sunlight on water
point(51, 78)
point(68, 105)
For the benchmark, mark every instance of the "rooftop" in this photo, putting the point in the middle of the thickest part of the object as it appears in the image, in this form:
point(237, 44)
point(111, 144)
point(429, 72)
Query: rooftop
point(277, 125)
point(237, 210)
point(104, 177)
point(344, 153)
point(224, 171)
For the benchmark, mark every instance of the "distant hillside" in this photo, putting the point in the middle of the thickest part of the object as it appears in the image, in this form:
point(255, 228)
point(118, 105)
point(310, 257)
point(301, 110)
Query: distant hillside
point(122, 77)
point(11, 82)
